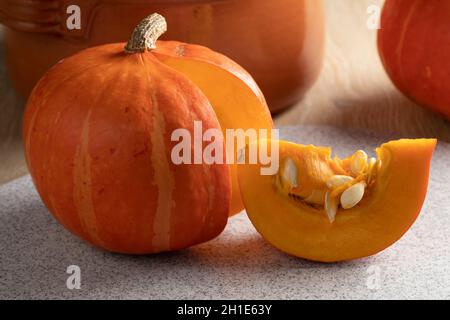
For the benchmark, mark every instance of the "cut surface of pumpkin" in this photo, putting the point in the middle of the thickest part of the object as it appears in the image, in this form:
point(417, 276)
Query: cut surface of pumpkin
point(330, 209)
point(232, 92)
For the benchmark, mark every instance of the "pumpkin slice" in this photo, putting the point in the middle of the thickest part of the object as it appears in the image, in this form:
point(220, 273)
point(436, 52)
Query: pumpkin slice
point(234, 95)
point(328, 210)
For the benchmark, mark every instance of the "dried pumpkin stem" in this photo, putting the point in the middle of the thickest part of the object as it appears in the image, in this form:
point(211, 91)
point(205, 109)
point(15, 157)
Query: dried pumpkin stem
point(146, 34)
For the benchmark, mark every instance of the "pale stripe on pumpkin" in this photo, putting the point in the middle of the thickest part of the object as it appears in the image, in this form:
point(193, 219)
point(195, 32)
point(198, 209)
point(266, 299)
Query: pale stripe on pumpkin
point(163, 179)
point(210, 217)
point(83, 185)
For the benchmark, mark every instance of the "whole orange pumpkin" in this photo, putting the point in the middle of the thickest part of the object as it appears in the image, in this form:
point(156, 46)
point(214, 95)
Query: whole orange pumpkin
point(97, 134)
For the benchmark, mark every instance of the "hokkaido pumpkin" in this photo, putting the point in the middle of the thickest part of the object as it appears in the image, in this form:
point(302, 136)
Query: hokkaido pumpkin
point(97, 135)
point(329, 210)
point(413, 45)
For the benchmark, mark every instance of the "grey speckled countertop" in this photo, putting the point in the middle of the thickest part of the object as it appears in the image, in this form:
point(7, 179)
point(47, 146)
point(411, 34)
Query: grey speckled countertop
point(239, 264)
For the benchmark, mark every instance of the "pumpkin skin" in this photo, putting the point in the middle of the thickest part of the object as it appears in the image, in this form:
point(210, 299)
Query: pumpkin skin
point(382, 217)
point(413, 43)
point(97, 134)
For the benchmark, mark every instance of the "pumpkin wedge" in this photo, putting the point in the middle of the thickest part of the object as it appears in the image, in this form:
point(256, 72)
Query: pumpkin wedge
point(234, 95)
point(331, 209)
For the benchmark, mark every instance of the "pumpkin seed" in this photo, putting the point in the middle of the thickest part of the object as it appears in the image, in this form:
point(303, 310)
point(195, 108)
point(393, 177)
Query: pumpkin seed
point(331, 207)
point(353, 195)
point(359, 162)
point(338, 180)
point(289, 174)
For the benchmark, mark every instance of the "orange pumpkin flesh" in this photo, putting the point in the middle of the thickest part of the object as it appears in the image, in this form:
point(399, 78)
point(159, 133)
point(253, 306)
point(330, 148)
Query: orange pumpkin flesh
point(97, 133)
point(234, 95)
point(389, 207)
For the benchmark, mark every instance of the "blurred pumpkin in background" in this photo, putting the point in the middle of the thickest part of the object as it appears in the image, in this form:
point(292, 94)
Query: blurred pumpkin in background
point(414, 45)
point(279, 42)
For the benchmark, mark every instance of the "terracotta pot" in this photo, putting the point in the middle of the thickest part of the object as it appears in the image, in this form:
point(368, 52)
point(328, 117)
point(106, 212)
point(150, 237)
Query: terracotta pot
point(279, 42)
